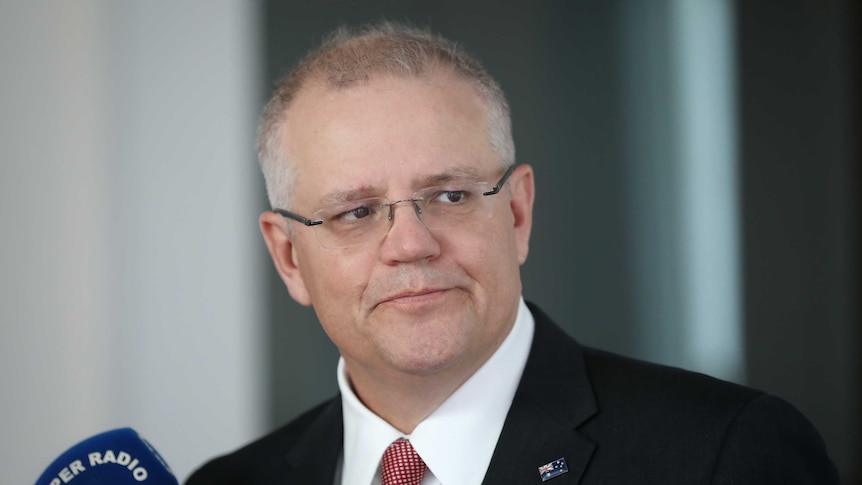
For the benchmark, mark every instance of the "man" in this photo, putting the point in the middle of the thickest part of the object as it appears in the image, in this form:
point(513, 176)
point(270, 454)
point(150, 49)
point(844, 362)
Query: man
point(401, 217)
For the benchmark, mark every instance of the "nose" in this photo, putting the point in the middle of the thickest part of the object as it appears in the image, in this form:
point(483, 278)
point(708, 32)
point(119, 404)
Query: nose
point(408, 239)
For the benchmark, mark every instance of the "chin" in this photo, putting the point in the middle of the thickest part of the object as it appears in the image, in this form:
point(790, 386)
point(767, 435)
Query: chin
point(429, 358)
point(429, 343)
point(424, 368)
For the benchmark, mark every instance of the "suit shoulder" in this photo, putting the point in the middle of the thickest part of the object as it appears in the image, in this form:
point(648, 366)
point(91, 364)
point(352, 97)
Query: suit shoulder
point(651, 423)
point(637, 400)
point(264, 457)
point(739, 434)
point(616, 377)
point(771, 430)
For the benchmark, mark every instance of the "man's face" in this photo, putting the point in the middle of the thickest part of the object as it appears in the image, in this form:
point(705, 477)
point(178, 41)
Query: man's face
point(419, 301)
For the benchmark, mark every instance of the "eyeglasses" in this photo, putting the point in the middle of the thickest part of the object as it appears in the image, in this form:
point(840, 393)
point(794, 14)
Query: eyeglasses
point(359, 222)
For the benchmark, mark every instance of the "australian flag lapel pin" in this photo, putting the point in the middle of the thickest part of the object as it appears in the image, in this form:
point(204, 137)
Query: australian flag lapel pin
point(553, 469)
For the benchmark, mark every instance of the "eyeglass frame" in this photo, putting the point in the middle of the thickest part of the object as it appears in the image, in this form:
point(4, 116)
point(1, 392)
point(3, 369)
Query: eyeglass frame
point(308, 222)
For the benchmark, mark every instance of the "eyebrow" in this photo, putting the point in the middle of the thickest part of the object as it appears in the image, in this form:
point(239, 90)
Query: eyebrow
point(336, 197)
point(340, 196)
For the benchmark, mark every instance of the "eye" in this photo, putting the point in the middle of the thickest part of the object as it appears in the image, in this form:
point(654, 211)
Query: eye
point(354, 214)
point(451, 196)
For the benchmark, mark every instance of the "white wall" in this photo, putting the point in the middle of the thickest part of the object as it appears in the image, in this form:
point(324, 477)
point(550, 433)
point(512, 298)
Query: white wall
point(128, 240)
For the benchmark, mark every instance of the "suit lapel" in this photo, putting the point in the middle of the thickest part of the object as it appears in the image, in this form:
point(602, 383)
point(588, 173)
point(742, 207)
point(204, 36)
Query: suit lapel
point(553, 399)
point(314, 458)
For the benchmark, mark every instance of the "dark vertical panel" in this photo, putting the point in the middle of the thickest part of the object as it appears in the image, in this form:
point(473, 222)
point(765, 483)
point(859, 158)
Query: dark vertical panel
point(567, 119)
point(796, 166)
point(855, 55)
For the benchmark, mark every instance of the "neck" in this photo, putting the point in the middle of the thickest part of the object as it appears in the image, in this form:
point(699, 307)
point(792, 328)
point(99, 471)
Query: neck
point(402, 400)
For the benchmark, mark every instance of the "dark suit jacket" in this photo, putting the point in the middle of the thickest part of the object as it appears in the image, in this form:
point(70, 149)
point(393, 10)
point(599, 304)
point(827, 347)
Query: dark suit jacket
point(614, 420)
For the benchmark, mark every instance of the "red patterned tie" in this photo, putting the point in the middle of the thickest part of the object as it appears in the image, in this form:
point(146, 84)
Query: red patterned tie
point(402, 465)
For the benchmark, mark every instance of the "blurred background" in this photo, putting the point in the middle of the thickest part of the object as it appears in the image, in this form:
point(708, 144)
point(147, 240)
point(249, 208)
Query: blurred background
point(697, 167)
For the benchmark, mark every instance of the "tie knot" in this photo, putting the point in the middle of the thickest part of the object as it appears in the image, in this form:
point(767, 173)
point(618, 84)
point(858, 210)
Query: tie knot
point(402, 465)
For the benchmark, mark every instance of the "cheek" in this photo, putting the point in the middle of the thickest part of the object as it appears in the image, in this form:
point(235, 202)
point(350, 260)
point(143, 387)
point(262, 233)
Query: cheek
point(487, 255)
point(336, 279)
point(336, 285)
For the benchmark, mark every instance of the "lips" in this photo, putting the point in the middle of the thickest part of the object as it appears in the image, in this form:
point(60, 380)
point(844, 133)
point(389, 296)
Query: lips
point(414, 296)
point(413, 285)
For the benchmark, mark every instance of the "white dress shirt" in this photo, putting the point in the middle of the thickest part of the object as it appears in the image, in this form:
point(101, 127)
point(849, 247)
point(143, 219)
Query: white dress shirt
point(456, 441)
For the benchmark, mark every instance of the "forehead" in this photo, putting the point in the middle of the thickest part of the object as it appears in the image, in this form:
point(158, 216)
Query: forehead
point(390, 132)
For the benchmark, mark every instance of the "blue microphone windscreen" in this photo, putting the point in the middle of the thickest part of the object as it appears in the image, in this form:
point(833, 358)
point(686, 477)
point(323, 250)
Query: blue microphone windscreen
point(116, 457)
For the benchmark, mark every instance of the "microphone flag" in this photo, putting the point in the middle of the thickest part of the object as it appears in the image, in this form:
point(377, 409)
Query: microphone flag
point(115, 457)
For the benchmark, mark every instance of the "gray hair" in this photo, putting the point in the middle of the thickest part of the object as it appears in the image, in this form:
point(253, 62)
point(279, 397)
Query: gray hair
point(352, 56)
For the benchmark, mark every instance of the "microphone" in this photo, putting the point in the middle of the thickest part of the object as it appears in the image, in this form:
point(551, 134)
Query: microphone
point(115, 457)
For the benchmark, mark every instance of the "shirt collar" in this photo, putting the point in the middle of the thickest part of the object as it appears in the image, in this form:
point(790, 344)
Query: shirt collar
point(457, 440)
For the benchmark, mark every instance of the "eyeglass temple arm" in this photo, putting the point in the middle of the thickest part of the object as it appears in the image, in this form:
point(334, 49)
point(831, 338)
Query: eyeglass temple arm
point(496, 188)
point(296, 217)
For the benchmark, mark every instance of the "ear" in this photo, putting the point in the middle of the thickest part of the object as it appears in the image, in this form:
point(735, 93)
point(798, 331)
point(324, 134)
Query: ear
point(523, 194)
point(284, 256)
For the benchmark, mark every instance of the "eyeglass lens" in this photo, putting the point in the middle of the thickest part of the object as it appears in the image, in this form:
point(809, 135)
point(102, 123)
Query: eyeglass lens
point(443, 207)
